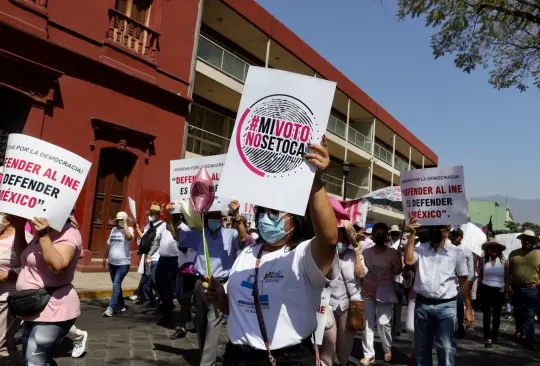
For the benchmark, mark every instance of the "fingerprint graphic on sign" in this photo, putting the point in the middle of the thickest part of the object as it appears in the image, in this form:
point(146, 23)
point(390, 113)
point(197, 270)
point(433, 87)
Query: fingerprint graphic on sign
point(274, 134)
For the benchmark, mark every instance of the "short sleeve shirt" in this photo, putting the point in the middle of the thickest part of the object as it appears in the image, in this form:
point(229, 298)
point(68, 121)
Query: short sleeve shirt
point(437, 272)
point(64, 303)
point(290, 287)
point(379, 269)
point(119, 251)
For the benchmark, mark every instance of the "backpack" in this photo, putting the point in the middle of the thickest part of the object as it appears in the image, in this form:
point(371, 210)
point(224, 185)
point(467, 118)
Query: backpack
point(148, 239)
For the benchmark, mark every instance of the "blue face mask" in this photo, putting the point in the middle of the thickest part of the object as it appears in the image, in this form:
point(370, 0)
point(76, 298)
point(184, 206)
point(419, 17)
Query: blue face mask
point(342, 247)
point(214, 225)
point(270, 230)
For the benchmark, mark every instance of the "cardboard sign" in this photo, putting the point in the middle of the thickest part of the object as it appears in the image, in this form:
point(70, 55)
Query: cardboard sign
point(183, 173)
point(436, 196)
point(41, 180)
point(321, 315)
point(357, 210)
point(280, 114)
point(133, 207)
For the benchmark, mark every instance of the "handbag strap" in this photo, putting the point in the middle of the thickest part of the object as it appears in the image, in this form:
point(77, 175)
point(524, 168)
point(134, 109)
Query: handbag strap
point(260, 318)
point(345, 282)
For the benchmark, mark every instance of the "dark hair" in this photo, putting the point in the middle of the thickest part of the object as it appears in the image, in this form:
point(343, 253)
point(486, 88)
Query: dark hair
point(379, 225)
point(486, 255)
point(303, 229)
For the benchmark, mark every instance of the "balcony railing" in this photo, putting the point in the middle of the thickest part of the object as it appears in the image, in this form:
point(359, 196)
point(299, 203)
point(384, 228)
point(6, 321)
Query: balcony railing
point(219, 57)
point(332, 184)
point(339, 128)
point(400, 164)
point(359, 140)
point(383, 154)
point(336, 126)
point(133, 35)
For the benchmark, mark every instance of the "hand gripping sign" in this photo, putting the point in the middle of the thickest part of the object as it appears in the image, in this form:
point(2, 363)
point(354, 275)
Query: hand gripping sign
point(280, 115)
point(41, 180)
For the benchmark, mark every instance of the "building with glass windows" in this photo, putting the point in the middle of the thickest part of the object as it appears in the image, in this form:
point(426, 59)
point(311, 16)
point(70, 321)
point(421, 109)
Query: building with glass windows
point(133, 84)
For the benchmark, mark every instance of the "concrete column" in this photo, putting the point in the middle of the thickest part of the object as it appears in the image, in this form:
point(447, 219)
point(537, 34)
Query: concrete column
point(423, 161)
point(410, 156)
point(393, 157)
point(267, 53)
point(347, 129)
point(373, 138)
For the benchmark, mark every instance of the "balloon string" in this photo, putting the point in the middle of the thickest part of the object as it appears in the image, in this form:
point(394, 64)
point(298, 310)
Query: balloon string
point(207, 260)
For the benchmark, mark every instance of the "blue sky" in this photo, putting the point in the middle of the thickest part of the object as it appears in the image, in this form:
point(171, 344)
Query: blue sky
point(494, 134)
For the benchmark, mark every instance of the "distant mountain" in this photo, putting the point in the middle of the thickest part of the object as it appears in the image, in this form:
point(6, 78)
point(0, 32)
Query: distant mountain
point(523, 210)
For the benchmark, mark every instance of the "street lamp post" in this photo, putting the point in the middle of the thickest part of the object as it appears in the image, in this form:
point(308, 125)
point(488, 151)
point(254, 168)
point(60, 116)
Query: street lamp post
point(346, 167)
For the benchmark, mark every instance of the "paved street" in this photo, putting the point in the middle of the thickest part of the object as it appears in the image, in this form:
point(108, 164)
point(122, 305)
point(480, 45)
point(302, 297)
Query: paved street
point(133, 338)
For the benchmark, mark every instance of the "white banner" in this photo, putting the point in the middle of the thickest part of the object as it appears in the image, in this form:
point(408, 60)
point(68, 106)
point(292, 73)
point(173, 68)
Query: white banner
point(41, 180)
point(436, 196)
point(280, 114)
point(183, 173)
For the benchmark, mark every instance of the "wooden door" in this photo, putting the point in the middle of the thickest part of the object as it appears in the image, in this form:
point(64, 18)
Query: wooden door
point(115, 167)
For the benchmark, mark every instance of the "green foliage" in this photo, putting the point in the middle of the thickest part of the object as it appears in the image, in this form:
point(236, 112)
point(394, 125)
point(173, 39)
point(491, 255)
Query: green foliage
point(500, 34)
point(515, 227)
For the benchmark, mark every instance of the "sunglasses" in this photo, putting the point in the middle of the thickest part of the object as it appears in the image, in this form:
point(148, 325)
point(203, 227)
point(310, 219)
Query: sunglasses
point(272, 214)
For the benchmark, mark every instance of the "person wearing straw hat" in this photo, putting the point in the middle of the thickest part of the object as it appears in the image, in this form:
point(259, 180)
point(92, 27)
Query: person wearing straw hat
point(491, 277)
point(119, 255)
point(522, 281)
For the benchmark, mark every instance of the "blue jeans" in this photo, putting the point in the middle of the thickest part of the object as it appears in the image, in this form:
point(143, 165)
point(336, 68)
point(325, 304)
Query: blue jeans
point(166, 272)
point(118, 273)
point(40, 339)
point(149, 283)
point(434, 326)
point(525, 307)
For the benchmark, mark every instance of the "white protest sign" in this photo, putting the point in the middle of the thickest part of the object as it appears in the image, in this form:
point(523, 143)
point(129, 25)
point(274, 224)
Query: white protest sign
point(183, 173)
point(247, 210)
point(133, 207)
point(436, 196)
point(280, 114)
point(321, 315)
point(41, 180)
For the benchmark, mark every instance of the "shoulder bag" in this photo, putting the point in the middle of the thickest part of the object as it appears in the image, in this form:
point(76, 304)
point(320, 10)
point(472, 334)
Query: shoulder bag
point(30, 302)
point(356, 316)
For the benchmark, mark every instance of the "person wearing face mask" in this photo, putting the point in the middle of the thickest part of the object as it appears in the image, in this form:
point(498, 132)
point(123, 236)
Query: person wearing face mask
point(167, 245)
point(522, 271)
point(223, 246)
point(275, 286)
point(383, 263)
point(340, 338)
point(10, 263)
point(440, 267)
point(119, 255)
point(148, 265)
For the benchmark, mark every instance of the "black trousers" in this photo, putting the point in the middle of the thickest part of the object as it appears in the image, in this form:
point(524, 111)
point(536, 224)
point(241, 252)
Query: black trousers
point(492, 303)
point(166, 271)
point(302, 354)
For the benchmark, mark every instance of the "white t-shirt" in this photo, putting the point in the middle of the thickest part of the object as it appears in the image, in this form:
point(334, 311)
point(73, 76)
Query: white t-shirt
point(119, 247)
point(338, 292)
point(168, 247)
point(398, 278)
point(290, 287)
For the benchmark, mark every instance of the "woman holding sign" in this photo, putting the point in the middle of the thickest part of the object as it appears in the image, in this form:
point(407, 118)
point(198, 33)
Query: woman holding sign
point(274, 288)
point(49, 262)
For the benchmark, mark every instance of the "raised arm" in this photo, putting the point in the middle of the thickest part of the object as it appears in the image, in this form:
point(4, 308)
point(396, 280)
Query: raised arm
point(58, 257)
point(323, 246)
point(410, 258)
point(359, 268)
point(127, 232)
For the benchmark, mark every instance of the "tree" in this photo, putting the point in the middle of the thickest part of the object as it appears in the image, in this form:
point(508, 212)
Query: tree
point(529, 226)
point(500, 34)
point(512, 226)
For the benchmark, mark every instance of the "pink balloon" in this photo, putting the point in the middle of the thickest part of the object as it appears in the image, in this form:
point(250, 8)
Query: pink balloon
point(202, 191)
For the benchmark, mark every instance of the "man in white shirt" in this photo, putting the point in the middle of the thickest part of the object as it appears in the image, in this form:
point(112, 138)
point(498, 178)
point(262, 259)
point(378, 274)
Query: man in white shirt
point(456, 236)
point(440, 267)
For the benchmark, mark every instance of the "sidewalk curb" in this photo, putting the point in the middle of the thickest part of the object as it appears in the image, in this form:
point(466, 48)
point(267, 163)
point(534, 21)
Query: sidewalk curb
point(92, 294)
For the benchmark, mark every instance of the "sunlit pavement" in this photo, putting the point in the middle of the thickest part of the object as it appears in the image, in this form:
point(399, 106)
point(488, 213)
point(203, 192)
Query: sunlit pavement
point(133, 338)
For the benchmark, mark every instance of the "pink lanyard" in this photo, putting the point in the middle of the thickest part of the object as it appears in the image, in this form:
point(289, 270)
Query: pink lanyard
point(260, 317)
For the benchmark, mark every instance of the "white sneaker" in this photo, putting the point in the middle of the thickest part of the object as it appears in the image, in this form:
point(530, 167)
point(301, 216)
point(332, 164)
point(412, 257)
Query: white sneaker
point(134, 298)
point(80, 346)
point(109, 312)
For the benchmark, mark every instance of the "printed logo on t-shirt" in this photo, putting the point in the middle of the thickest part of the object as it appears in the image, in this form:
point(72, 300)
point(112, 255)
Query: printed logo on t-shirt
point(264, 300)
point(273, 277)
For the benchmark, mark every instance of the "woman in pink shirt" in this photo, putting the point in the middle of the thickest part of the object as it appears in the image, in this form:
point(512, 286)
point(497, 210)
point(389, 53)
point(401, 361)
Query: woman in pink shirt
point(10, 253)
point(49, 261)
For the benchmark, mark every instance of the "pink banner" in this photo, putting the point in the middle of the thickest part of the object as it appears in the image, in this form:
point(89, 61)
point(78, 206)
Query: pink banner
point(357, 211)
